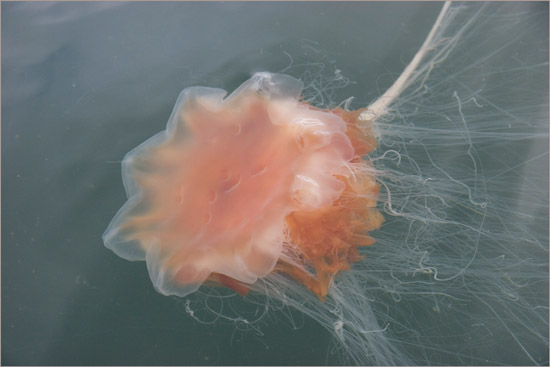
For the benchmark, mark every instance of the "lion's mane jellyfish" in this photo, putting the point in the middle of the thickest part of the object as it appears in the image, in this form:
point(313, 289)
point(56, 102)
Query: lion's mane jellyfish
point(241, 187)
point(272, 193)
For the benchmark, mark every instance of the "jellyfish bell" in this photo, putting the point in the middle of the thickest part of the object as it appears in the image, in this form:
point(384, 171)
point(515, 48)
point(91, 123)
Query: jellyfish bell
point(241, 187)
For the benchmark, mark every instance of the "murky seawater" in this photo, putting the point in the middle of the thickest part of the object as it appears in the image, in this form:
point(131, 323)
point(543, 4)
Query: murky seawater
point(84, 83)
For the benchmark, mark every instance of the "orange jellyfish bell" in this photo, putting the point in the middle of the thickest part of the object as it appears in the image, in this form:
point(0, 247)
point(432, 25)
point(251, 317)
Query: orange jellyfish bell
point(241, 187)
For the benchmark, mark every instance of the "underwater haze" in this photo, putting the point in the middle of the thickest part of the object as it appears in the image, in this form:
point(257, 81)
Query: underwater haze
point(84, 83)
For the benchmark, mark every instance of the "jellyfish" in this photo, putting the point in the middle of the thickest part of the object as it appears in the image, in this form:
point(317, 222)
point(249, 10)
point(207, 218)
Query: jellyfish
point(239, 187)
point(413, 228)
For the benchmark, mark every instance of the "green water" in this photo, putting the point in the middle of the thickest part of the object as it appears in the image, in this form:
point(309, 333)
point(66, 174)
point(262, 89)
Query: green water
point(84, 83)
